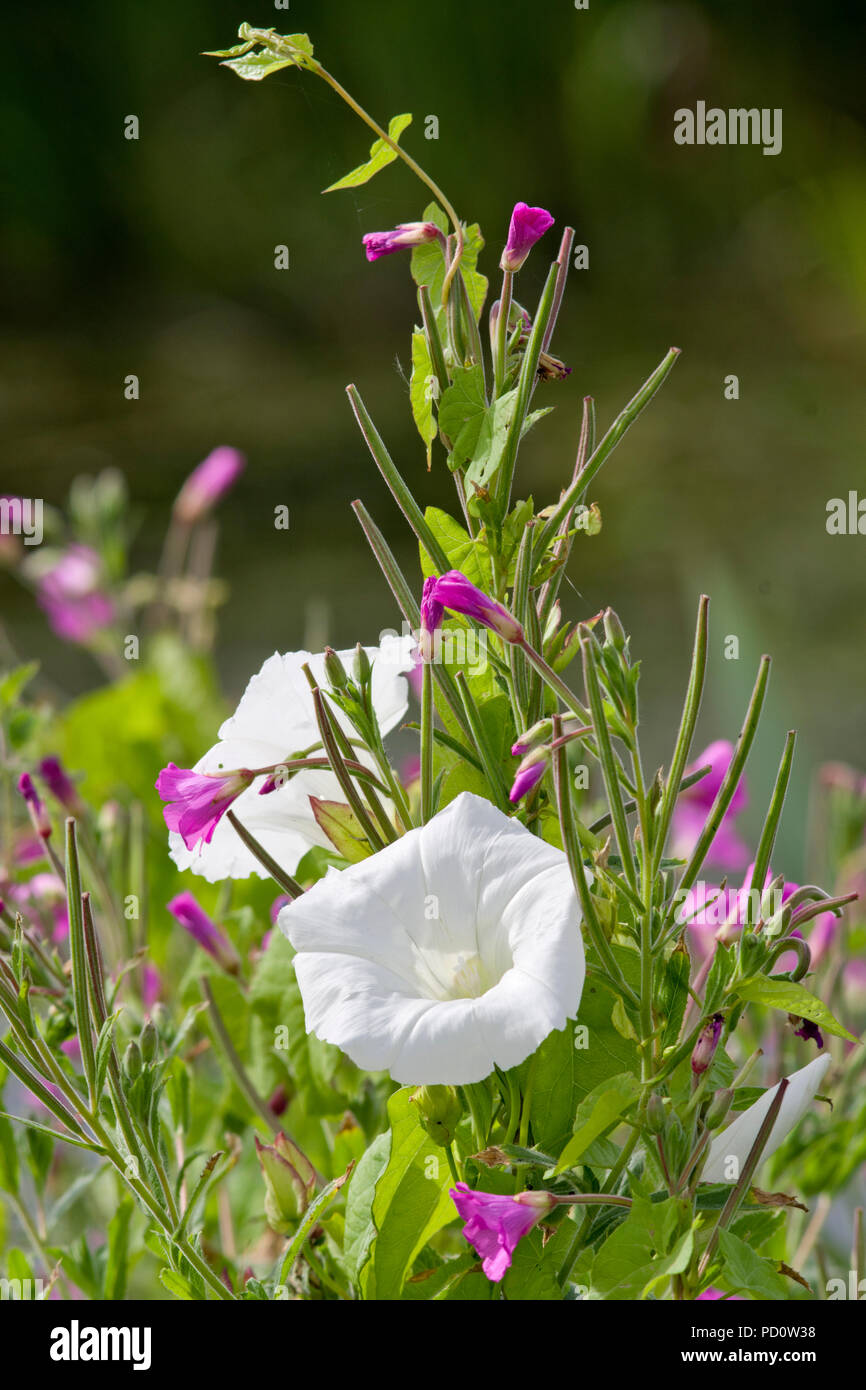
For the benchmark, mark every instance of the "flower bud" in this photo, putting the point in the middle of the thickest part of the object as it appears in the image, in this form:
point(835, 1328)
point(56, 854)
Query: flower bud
point(705, 1047)
point(361, 667)
point(290, 1180)
point(335, 670)
point(614, 631)
point(132, 1061)
point(655, 1113)
point(439, 1110)
point(717, 1110)
point(38, 814)
point(148, 1041)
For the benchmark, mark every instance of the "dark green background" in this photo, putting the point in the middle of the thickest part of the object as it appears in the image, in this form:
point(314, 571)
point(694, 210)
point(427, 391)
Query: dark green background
point(156, 257)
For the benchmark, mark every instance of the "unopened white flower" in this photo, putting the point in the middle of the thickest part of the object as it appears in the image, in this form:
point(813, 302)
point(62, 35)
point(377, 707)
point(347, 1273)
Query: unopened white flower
point(735, 1142)
point(274, 720)
point(456, 948)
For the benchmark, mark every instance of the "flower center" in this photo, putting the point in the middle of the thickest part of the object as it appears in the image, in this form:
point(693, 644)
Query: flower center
point(469, 979)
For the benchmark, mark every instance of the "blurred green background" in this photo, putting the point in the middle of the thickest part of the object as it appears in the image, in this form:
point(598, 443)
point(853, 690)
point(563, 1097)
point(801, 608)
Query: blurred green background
point(156, 257)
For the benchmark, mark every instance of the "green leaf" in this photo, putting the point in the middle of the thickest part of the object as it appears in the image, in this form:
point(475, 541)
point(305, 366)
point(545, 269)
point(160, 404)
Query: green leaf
point(254, 66)
point(747, 1272)
point(342, 827)
point(279, 1037)
point(601, 1109)
point(360, 1226)
point(176, 1285)
point(793, 999)
point(462, 412)
point(462, 551)
point(534, 1267)
point(9, 1166)
point(646, 1248)
point(117, 1262)
point(311, 1217)
point(422, 384)
point(411, 1201)
point(381, 154)
point(428, 263)
point(14, 682)
point(674, 993)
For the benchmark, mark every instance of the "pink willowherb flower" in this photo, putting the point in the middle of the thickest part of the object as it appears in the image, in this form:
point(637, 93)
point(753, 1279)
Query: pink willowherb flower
point(495, 1225)
point(378, 244)
point(453, 590)
point(193, 918)
point(61, 786)
point(38, 814)
point(527, 225)
point(529, 774)
point(197, 800)
point(70, 593)
point(727, 849)
point(207, 483)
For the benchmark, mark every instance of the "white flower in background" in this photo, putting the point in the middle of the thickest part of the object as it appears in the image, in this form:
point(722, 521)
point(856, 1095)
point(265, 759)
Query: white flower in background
point(737, 1139)
point(457, 947)
point(275, 719)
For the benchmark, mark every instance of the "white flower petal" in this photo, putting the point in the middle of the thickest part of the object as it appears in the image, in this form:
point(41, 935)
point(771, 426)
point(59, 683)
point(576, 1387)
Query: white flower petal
point(454, 949)
point(274, 719)
point(737, 1139)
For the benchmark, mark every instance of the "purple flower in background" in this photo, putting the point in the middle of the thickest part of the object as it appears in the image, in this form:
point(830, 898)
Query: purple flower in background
point(38, 814)
point(69, 592)
point(453, 590)
point(197, 800)
point(527, 225)
point(204, 930)
point(727, 849)
point(717, 1293)
point(529, 774)
point(377, 244)
point(207, 483)
point(495, 1225)
point(151, 986)
point(60, 785)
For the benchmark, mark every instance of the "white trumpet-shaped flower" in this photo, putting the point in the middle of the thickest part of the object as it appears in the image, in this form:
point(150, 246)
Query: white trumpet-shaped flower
point(275, 719)
point(735, 1142)
point(455, 948)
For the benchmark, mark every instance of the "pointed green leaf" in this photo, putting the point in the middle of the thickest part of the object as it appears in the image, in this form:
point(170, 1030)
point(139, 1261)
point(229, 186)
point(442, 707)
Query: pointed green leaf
point(793, 999)
point(381, 155)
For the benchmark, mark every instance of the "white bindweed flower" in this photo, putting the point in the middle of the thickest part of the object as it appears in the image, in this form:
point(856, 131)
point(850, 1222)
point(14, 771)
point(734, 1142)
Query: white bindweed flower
point(275, 719)
point(456, 948)
point(735, 1142)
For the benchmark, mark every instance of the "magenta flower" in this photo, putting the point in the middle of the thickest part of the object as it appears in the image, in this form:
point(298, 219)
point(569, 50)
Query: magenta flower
point(70, 594)
point(727, 849)
point(198, 799)
point(38, 814)
point(527, 225)
point(207, 483)
point(204, 930)
point(495, 1225)
point(151, 986)
point(717, 1293)
point(60, 785)
point(453, 590)
point(529, 774)
point(377, 244)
